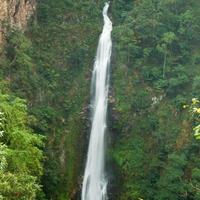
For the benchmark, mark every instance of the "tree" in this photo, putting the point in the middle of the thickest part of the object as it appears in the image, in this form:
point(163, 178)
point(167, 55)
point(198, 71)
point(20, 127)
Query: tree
point(171, 184)
point(195, 111)
point(164, 47)
point(20, 151)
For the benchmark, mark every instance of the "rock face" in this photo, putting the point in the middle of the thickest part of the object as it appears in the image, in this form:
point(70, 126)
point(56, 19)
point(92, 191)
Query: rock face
point(15, 13)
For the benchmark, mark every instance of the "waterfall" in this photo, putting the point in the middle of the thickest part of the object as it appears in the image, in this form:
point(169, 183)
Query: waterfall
point(94, 182)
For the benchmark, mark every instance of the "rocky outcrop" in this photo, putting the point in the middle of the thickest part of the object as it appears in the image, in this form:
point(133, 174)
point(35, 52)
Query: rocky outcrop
point(15, 13)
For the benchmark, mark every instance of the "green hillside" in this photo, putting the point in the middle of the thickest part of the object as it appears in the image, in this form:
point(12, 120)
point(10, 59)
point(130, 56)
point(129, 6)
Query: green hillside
point(45, 82)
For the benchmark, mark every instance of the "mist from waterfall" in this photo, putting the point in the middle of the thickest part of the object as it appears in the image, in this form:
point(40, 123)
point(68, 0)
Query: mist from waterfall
point(95, 183)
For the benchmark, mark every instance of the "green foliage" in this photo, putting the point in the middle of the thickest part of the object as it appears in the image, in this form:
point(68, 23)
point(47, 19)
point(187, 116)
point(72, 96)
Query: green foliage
point(156, 72)
point(171, 184)
point(130, 158)
point(196, 85)
point(194, 109)
point(20, 186)
point(142, 100)
point(49, 65)
point(195, 183)
point(21, 154)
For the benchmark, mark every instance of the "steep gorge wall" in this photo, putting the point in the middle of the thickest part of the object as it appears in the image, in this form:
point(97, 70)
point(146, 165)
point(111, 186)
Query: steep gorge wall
point(15, 13)
point(48, 72)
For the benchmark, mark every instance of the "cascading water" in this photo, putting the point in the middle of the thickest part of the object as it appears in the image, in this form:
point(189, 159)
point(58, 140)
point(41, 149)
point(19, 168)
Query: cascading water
point(94, 182)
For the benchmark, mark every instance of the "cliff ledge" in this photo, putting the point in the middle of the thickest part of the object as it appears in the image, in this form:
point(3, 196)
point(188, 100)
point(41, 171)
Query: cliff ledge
point(15, 13)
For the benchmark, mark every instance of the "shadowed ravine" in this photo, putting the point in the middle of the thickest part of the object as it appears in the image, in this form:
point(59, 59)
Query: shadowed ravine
point(94, 182)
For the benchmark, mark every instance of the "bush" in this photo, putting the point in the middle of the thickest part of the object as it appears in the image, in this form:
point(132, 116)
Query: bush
point(141, 101)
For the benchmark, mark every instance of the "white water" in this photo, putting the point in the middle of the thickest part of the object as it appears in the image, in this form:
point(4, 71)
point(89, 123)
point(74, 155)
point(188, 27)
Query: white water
point(94, 182)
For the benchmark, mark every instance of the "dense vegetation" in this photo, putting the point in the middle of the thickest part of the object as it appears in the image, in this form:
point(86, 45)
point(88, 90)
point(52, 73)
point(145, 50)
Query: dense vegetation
point(20, 156)
point(155, 72)
point(49, 65)
point(194, 109)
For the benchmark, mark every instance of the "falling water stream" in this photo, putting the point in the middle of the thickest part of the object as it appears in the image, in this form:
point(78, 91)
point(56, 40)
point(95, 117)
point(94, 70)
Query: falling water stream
point(94, 182)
